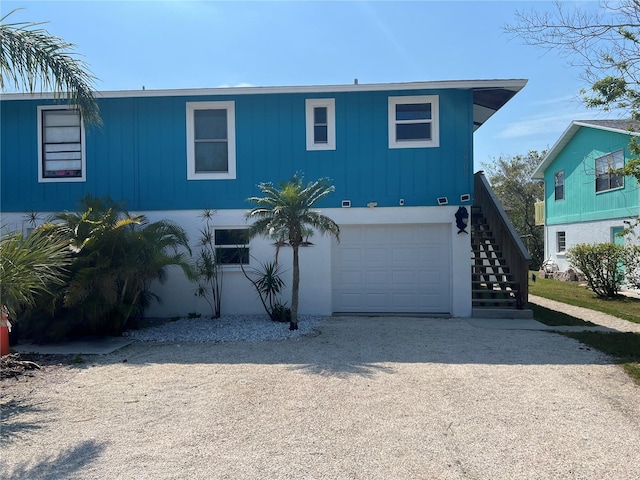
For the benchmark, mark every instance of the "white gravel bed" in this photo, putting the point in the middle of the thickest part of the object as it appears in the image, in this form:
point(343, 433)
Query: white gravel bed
point(229, 328)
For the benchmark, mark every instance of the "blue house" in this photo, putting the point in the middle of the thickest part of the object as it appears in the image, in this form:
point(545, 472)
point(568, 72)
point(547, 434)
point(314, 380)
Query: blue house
point(400, 156)
point(585, 202)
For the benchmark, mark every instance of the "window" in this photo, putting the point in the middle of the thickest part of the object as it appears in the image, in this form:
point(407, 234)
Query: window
point(61, 145)
point(413, 122)
point(605, 179)
point(561, 242)
point(211, 141)
point(232, 246)
point(558, 182)
point(321, 123)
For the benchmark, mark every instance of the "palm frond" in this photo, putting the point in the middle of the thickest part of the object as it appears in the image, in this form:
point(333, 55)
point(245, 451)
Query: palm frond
point(30, 266)
point(30, 57)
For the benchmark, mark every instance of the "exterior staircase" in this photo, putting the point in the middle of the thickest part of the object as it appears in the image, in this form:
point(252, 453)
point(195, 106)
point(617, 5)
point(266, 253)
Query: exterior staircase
point(499, 260)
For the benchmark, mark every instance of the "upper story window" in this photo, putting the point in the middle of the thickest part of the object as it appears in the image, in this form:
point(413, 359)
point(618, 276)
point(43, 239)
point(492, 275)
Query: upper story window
point(413, 122)
point(232, 246)
point(605, 178)
point(558, 183)
point(321, 123)
point(211, 141)
point(61, 145)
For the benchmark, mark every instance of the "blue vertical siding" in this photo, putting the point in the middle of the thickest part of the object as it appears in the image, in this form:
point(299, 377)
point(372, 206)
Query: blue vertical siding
point(139, 155)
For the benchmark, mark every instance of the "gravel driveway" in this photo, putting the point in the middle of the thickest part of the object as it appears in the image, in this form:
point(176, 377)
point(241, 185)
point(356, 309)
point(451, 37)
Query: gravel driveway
point(366, 398)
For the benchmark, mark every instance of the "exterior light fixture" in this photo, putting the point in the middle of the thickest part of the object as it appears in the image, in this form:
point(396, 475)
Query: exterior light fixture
point(462, 219)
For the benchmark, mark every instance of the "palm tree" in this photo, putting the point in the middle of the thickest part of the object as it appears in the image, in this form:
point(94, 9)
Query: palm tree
point(288, 209)
point(32, 59)
point(31, 266)
point(117, 256)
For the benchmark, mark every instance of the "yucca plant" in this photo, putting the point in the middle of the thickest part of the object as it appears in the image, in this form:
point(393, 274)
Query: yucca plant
point(267, 281)
point(289, 209)
point(208, 266)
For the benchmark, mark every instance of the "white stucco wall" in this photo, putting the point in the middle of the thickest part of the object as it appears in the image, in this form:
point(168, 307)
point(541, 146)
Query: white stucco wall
point(576, 233)
point(239, 296)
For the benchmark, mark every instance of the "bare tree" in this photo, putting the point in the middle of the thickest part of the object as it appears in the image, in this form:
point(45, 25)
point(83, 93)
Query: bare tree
point(606, 43)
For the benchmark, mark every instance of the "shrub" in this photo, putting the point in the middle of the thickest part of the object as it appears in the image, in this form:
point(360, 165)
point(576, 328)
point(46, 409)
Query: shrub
point(280, 313)
point(115, 257)
point(601, 265)
point(632, 265)
point(30, 266)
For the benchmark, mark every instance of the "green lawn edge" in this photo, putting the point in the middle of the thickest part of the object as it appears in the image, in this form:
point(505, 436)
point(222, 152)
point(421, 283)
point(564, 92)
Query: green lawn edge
point(623, 347)
point(572, 293)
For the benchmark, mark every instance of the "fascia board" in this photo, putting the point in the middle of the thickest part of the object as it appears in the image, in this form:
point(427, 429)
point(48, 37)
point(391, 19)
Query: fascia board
point(511, 84)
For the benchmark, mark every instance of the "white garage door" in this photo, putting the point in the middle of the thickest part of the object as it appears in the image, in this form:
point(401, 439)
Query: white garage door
point(392, 269)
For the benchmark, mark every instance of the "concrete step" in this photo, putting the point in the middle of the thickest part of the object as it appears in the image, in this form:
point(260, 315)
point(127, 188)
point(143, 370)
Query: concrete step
point(491, 312)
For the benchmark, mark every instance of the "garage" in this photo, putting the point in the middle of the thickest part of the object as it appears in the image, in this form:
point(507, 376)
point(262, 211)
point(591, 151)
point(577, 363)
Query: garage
point(392, 269)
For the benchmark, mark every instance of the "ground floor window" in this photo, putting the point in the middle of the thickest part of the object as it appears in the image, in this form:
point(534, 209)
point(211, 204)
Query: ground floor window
point(232, 246)
point(561, 242)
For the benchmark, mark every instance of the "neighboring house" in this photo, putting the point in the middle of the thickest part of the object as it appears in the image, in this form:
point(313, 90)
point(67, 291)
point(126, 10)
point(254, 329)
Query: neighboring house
point(584, 201)
point(400, 156)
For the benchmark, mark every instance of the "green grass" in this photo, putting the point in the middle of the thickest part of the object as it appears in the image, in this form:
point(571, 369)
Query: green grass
point(580, 296)
point(624, 347)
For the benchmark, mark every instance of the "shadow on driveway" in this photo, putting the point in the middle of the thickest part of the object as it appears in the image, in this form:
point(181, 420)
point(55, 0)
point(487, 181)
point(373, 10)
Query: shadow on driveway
point(66, 464)
point(365, 345)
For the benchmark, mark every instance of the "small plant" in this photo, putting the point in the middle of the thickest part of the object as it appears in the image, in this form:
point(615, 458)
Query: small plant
point(601, 265)
point(281, 313)
point(269, 284)
point(193, 315)
point(208, 266)
point(77, 359)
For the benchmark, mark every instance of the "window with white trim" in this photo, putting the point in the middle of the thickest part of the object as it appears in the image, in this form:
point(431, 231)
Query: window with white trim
point(61, 145)
point(605, 178)
point(561, 242)
point(232, 246)
point(211, 141)
point(321, 123)
point(413, 122)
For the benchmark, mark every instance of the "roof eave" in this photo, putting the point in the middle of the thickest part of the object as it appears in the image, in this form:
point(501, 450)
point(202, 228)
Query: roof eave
point(513, 84)
point(488, 95)
point(564, 139)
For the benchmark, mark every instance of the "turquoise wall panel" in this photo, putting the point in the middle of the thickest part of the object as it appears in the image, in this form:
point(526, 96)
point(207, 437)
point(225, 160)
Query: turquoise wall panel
point(581, 202)
point(139, 155)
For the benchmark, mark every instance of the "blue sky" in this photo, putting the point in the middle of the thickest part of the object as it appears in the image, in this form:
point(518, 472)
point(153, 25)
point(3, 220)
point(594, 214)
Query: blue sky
point(191, 44)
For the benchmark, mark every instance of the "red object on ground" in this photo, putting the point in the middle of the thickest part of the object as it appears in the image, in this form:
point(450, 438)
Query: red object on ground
point(4, 332)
